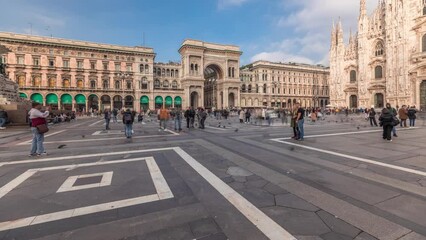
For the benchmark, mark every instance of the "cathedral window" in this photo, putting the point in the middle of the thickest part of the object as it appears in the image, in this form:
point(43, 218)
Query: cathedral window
point(378, 72)
point(352, 77)
point(144, 83)
point(424, 43)
point(379, 49)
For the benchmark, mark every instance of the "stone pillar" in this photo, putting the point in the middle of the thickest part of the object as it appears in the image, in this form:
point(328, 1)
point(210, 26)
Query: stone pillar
point(225, 97)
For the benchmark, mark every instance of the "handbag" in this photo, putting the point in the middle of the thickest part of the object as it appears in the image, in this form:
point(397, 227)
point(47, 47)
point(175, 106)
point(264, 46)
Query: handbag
point(395, 121)
point(42, 128)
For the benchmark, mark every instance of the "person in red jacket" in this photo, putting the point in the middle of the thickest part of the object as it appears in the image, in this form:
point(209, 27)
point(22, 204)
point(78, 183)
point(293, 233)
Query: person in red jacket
point(37, 118)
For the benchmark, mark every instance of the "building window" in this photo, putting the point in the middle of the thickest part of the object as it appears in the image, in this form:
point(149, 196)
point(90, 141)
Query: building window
point(141, 68)
point(36, 61)
point(129, 85)
point(80, 84)
point(80, 64)
point(424, 43)
point(166, 84)
point(51, 51)
point(37, 81)
point(378, 72)
point(52, 82)
point(117, 67)
point(92, 83)
point(147, 68)
point(3, 59)
point(92, 65)
point(51, 63)
point(66, 83)
point(264, 88)
point(117, 84)
point(66, 63)
point(20, 60)
point(352, 77)
point(79, 54)
point(105, 65)
point(174, 84)
point(157, 83)
point(129, 68)
point(21, 81)
point(379, 49)
point(144, 83)
point(105, 84)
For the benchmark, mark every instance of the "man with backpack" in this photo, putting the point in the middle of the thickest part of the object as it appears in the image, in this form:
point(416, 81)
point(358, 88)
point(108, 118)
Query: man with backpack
point(107, 116)
point(128, 119)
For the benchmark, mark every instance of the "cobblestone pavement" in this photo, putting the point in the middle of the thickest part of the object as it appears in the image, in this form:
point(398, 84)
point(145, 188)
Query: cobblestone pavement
point(227, 181)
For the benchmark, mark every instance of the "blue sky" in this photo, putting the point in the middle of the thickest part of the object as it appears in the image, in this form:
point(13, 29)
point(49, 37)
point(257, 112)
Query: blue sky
point(275, 30)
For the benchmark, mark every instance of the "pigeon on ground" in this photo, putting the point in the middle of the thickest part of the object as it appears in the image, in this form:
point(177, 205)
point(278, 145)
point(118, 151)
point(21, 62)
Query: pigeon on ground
point(83, 136)
point(236, 130)
point(61, 146)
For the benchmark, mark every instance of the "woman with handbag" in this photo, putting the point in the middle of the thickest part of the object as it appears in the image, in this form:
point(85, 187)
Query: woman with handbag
point(38, 128)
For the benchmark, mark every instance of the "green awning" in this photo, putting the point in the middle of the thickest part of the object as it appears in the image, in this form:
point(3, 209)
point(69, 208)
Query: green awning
point(36, 97)
point(169, 101)
point(66, 99)
point(51, 99)
point(80, 99)
point(178, 100)
point(158, 100)
point(144, 100)
point(23, 95)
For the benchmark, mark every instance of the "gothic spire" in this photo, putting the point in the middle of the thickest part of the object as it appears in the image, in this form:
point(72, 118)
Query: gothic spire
point(362, 8)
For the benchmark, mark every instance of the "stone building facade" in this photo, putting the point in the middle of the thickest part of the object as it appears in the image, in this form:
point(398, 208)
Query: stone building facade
point(385, 61)
point(79, 75)
point(280, 85)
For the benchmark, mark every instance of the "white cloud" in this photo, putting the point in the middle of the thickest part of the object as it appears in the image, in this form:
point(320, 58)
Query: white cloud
point(311, 22)
point(228, 3)
point(280, 56)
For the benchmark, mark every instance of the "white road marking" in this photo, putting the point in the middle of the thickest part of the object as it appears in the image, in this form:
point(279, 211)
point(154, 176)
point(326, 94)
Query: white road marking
point(68, 184)
point(265, 224)
point(343, 133)
point(218, 128)
point(172, 132)
point(108, 132)
point(93, 124)
point(160, 183)
point(355, 158)
point(45, 136)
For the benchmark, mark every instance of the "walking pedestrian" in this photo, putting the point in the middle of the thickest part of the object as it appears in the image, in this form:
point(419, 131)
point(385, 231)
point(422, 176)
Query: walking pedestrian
point(293, 122)
point(394, 113)
point(386, 119)
point(203, 116)
point(412, 116)
point(128, 119)
point(402, 113)
point(372, 115)
point(3, 118)
point(248, 115)
point(242, 115)
point(164, 117)
point(300, 121)
point(107, 116)
point(38, 120)
point(114, 115)
point(177, 116)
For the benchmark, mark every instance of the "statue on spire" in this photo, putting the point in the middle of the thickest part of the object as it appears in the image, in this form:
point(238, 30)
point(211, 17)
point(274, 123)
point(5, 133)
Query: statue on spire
point(362, 8)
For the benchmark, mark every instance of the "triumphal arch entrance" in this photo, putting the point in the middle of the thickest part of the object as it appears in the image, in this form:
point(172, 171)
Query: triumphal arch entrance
point(210, 75)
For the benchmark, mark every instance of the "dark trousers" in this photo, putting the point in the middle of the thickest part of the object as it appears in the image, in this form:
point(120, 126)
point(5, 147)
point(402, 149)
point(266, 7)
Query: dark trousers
point(412, 122)
point(188, 120)
point(403, 121)
point(202, 123)
point(295, 132)
point(373, 121)
point(387, 131)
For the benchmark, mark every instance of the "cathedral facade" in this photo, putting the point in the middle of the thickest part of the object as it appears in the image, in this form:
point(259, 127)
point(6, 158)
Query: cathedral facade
point(385, 61)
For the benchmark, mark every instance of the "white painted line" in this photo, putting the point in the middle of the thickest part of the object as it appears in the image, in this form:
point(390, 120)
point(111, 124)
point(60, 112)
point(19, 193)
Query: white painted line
point(217, 128)
point(45, 136)
point(15, 182)
point(108, 132)
point(265, 224)
point(158, 179)
point(93, 124)
point(356, 158)
point(68, 184)
point(85, 156)
point(172, 132)
point(160, 183)
point(343, 133)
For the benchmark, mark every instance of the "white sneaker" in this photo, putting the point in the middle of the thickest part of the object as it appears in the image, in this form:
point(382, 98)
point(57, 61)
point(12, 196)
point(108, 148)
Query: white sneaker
point(2, 128)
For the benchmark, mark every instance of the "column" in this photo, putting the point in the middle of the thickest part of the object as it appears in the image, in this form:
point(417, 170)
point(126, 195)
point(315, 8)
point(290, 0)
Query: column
point(225, 97)
point(73, 105)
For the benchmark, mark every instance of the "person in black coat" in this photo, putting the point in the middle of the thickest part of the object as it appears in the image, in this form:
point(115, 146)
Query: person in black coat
point(386, 121)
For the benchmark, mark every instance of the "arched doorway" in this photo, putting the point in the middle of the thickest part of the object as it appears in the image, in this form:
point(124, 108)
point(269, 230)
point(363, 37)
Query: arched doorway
point(80, 100)
point(128, 102)
point(66, 102)
point(52, 101)
point(423, 95)
point(212, 74)
point(178, 102)
point(378, 100)
point(117, 102)
point(231, 100)
point(169, 102)
point(353, 101)
point(158, 102)
point(194, 99)
point(37, 97)
point(23, 95)
point(144, 103)
point(105, 102)
point(93, 101)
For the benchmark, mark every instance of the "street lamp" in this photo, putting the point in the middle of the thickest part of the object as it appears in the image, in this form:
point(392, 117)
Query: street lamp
point(123, 76)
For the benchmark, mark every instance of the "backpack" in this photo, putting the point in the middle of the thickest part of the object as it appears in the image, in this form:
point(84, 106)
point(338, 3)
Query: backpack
point(127, 118)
